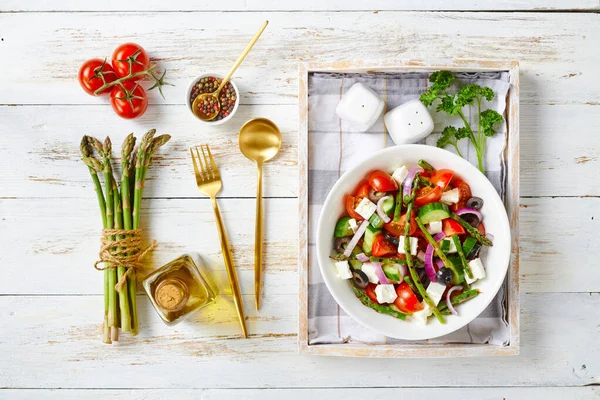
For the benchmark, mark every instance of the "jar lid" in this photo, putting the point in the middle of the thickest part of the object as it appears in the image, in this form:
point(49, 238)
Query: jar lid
point(171, 294)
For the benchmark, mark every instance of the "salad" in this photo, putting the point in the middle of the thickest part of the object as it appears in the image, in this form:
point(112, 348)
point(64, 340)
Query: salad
point(411, 239)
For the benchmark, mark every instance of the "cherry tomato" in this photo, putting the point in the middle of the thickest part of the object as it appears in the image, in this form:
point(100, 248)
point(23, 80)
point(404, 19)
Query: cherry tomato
point(382, 247)
point(363, 190)
point(129, 100)
point(442, 177)
point(94, 73)
point(481, 228)
point(407, 301)
point(351, 203)
point(130, 53)
point(382, 182)
point(370, 290)
point(451, 227)
point(396, 228)
point(428, 195)
point(464, 193)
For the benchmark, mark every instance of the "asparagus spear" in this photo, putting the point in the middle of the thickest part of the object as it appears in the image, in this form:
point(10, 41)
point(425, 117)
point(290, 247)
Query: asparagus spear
point(461, 255)
point(377, 307)
point(436, 245)
point(398, 208)
point(94, 166)
point(426, 166)
point(409, 260)
point(459, 299)
point(411, 284)
point(471, 230)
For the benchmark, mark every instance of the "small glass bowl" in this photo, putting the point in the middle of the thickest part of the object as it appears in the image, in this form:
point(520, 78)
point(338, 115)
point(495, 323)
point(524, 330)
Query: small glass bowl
point(213, 122)
point(180, 287)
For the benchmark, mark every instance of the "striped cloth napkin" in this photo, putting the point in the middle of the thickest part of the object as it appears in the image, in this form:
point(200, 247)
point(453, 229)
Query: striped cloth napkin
point(334, 147)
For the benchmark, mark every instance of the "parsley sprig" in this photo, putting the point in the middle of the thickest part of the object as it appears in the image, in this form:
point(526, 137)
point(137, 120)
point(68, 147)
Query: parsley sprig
point(453, 104)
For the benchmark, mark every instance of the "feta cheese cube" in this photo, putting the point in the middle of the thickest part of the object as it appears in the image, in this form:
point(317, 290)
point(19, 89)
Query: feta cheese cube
point(421, 316)
point(435, 291)
point(413, 245)
point(343, 270)
point(477, 269)
point(385, 293)
point(435, 227)
point(369, 270)
point(400, 174)
point(452, 246)
point(353, 224)
point(360, 106)
point(409, 122)
point(366, 208)
point(450, 196)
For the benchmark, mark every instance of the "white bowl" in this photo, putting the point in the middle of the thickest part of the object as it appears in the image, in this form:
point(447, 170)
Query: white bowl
point(495, 259)
point(214, 122)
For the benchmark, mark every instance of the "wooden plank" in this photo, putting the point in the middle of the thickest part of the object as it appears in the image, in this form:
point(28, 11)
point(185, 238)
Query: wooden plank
point(59, 257)
point(51, 342)
point(526, 393)
point(558, 66)
point(39, 154)
point(306, 5)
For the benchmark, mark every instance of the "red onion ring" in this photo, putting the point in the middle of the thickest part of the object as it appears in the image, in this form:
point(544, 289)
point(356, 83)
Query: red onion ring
point(449, 301)
point(383, 279)
point(439, 264)
point(407, 189)
point(429, 269)
point(380, 211)
point(359, 232)
point(362, 257)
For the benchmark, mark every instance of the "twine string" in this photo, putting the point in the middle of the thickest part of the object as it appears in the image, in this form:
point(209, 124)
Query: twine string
point(126, 252)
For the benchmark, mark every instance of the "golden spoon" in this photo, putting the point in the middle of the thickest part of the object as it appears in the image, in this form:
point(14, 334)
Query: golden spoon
point(260, 141)
point(213, 98)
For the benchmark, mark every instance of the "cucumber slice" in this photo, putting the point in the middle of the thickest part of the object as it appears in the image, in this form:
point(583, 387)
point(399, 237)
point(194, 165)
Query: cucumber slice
point(445, 245)
point(375, 221)
point(355, 264)
point(469, 245)
point(433, 212)
point(342, 228)
point(458, 273)
point(370, 235)
point(388, 207)
point(391, 271)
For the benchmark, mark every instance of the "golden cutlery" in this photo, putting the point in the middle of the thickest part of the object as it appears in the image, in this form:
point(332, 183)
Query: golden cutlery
point(260, 141)
point(213, 97)
point(209, 183)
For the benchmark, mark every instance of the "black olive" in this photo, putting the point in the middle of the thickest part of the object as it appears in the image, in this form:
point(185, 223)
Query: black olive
point(474, 253)
point(340, 243)
point(360, 279)
point(475, 202)
point(375, 196)
point(471, 219)
point(391, 238)
point(444, 276)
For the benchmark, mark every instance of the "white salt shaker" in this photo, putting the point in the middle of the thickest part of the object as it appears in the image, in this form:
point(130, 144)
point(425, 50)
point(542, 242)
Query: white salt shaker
point(409, 122)
point(360, 106)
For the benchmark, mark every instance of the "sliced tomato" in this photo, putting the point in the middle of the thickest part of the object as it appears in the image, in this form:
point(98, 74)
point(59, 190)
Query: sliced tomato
point(464, 193)
point(351, 203)
point(481, 228)
point(396, 228)
point(363, 190)
point(451, 227)
point(382, 247)
point(382, 182)
point(370, 290)
point(428, 195)
point(442, 177)
point(407, 301)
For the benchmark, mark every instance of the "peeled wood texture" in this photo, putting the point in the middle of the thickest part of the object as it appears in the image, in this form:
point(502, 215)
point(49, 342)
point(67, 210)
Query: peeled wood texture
point(557, 52)
point(313, 5)
point(40, 333)
point(533, 393)
point(40, 153)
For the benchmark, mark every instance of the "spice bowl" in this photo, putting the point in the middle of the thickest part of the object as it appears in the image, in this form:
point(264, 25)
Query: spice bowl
point(197, 86)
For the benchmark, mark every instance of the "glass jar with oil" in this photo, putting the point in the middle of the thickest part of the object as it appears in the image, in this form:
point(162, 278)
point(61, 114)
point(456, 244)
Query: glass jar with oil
point(180, 287)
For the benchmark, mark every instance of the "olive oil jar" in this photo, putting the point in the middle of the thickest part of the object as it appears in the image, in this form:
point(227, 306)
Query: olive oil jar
point(180, 287)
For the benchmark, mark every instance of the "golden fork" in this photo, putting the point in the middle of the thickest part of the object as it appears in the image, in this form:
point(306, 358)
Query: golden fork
point(209, 183)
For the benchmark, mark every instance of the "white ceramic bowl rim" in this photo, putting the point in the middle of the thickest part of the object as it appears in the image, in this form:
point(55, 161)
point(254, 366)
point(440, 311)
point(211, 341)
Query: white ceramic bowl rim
point(495, 259)
point(189, 103)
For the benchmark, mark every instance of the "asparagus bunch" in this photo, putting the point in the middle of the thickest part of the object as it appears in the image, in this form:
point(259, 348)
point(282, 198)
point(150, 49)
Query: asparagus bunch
point(115, 203)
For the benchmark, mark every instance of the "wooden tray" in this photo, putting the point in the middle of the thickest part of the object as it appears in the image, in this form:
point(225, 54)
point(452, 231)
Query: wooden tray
point(511, 202)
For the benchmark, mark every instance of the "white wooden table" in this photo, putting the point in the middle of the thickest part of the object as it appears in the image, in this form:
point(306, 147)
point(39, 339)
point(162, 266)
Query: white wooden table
point(51, 298)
